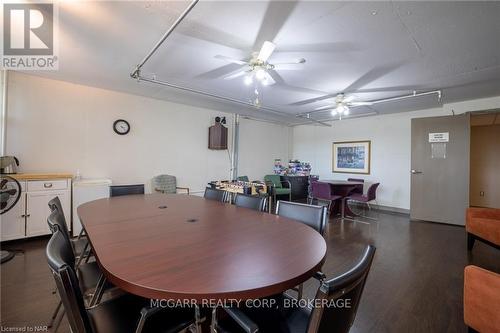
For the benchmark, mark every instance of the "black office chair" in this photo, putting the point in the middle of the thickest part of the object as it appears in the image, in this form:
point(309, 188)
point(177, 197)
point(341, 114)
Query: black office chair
point(92, 282)
point(344, 291)
point(214, 194)
point(124, 314)
point(313, 216)
point(252, 202)
point(119, 190)
point(80, 245)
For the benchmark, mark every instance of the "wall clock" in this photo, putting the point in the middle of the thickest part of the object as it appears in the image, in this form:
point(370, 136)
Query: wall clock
point(121, 127)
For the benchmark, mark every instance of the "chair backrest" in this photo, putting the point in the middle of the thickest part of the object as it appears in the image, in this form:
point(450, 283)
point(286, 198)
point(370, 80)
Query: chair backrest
point(252, 202)
point(372, 191)
point(345, 290)
point(313, 216)
point(214, 194)
point(55, 204)
point(118, 190)
point(165, 184)
point(321, 190)
point(243, 179)
point(358, 180)
point(56, 219)
point(274, 179)
point(61, 263)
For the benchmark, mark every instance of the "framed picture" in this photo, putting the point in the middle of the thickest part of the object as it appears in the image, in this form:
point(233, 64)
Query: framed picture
point(351, 157)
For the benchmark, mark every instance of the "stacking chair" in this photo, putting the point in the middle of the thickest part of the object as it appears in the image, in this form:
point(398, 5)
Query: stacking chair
point(311, 215)
point(322, 192)
point(167, 184)
point(252, 202)
point(345, 289)
point(214, 194)
point(371, 195)
point(125, 314)
point(119, 190)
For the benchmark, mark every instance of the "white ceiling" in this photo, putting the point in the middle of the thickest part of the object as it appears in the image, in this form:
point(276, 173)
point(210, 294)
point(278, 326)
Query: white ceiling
point(370, 49)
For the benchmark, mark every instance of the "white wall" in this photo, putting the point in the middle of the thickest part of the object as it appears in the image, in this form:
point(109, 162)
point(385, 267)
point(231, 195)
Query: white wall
point(54, 126)
point(263, 143)
point(390, 137)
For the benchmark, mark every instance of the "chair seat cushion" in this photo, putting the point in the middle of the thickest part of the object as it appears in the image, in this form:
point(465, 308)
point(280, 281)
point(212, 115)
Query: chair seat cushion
point(281, 191)
point(358, 197)
point(486, 228)
point(122, 314)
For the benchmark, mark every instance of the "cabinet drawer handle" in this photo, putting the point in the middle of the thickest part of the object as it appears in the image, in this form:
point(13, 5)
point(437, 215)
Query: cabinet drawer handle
point(47, 185)
point(26, 215)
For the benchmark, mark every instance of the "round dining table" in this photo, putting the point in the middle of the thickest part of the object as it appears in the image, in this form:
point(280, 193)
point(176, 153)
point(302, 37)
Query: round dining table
point(178, 247)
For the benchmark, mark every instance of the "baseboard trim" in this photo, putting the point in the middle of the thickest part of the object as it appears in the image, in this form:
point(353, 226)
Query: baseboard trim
point(385, 209)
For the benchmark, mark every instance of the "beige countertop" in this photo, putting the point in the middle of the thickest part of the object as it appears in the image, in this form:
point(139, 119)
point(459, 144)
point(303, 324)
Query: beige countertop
point(40, 176)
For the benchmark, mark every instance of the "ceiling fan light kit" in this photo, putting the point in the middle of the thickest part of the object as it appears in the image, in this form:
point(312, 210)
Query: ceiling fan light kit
point(259, 70)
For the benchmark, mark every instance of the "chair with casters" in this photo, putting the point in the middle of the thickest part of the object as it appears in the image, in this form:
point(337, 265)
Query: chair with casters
point(278, 187)
point(322, 192)
point(252, 202)
point(311, 215)
point(358, 189)
point(123, 314)
point(215, 194)
point(119, 190)
point(344, 290)
point(167, 184)
point(371, 195)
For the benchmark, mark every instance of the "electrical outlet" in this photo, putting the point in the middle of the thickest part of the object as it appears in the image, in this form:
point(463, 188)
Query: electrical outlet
point(481, 193)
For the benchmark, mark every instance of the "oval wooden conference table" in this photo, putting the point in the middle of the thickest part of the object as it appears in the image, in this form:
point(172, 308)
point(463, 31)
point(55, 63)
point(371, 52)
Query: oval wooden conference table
point(186, 247)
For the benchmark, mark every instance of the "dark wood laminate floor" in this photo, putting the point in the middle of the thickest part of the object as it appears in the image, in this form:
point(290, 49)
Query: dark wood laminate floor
point(415, 284)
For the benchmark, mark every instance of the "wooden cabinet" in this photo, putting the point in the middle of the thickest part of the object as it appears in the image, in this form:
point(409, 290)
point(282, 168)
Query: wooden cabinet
point(28, 217)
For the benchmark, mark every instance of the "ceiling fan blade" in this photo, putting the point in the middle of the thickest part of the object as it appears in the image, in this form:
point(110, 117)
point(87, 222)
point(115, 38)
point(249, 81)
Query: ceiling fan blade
point(236, 74)
point(275, 17)
point(325, 108)
point(349, 98)
point(3, 204)
point(359, 103)
point(266, 51)
point(296, 62)
point(275, 76)
point(371, 76)
point(4, 181)
point(315, 99)
point(231, 60)
point(219, 71)
point(268, 79)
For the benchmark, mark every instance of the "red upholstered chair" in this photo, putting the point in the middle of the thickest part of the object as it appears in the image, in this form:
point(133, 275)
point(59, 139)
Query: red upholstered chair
point(483, 224)
point(481, 300)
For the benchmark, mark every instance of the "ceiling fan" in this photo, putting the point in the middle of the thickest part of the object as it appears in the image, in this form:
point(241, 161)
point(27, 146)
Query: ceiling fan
point(342, 105)
point(259, 69)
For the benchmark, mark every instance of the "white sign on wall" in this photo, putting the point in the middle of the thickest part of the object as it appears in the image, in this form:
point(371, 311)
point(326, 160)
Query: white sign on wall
point(439, 137)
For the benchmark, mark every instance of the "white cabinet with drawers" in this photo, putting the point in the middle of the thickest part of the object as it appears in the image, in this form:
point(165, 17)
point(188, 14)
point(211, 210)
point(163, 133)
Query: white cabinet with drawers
point(28, 217)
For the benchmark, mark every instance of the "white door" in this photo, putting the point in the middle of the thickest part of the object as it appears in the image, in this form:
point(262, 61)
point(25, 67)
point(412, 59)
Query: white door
point(37, 211)
point(13, 222)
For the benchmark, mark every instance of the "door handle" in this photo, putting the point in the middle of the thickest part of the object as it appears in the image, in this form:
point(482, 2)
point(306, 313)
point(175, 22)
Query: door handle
point(415, 172)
